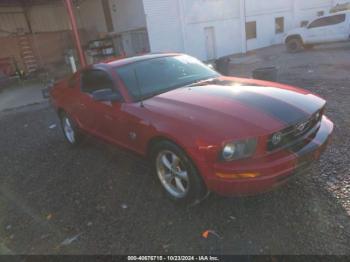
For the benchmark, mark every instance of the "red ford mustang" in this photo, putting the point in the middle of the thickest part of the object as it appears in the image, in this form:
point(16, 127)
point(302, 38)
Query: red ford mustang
point(201, 131)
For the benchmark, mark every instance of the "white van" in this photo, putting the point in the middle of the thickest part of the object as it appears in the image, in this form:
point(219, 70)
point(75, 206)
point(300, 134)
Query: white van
point(327, 29)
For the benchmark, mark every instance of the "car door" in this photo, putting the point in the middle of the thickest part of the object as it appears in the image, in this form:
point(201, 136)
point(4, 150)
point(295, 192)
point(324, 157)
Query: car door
point(102, 118)
point(317, 31)
point(327, 29)
point(339, 28)
point(72, 97)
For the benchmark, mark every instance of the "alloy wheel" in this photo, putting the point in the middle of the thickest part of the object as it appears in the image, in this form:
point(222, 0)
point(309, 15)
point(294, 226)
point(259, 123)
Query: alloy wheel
point(68, 130)
point(172, 174)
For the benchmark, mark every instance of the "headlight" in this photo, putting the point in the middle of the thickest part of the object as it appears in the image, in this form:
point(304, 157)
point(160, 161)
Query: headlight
point(238, 150)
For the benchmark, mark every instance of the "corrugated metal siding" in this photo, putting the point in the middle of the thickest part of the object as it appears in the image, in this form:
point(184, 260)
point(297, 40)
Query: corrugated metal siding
point(90, 16)
point(49, 18)
point(53, 18)
point(164, 25)
point(44, 18)
point(11, 19)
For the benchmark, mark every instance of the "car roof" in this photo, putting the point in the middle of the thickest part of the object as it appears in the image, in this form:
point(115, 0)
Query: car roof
point(135, 59)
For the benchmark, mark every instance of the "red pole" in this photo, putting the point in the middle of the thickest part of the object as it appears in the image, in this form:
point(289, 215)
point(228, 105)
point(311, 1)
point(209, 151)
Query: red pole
point(73, 23)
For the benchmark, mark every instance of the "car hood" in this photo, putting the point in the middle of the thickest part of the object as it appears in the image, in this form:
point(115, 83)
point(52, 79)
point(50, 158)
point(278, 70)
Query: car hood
point(231, 110)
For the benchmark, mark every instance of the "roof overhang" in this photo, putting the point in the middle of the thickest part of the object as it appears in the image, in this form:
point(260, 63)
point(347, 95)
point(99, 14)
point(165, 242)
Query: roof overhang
point(27, 2)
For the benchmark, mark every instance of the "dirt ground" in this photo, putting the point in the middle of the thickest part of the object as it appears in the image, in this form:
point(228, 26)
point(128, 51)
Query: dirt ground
point(101, 200)
point(326, 72)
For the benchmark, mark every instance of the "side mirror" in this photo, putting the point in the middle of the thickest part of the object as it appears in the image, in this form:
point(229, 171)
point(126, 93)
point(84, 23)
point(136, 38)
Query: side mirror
point(107, 95)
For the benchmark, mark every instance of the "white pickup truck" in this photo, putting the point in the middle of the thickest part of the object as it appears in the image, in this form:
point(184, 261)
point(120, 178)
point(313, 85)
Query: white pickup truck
point(327, 29)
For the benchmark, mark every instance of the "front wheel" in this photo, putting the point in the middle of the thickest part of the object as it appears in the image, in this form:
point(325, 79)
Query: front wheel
point(177, 174)
point(70, 130)
point(294, 45)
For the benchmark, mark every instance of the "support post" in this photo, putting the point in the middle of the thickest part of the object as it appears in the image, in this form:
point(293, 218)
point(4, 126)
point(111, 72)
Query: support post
point(243, 20)
point(76, 35)
point(26, 10)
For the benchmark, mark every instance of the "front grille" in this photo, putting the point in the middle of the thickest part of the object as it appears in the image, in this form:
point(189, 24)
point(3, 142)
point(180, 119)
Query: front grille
point(298, 135)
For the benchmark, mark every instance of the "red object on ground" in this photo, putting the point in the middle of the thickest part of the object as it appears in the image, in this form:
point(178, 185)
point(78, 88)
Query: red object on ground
point(203, 118)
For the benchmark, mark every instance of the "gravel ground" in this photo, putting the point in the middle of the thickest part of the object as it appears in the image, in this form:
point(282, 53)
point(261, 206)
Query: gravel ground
point(326, 72)
point(100, 200)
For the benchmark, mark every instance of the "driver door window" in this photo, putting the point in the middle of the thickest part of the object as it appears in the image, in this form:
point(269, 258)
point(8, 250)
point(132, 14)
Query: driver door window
point(94, 80)
point(90, 111)
point(102, 118)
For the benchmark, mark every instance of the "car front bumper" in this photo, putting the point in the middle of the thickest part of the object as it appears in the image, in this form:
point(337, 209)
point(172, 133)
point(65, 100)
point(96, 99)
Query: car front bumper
point(274, 169)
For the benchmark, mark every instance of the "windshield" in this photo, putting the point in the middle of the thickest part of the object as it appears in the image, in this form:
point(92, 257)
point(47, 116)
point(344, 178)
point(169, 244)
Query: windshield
point(155, 76)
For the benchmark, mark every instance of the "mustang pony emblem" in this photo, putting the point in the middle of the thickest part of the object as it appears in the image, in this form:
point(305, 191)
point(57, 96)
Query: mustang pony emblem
point(301, 127)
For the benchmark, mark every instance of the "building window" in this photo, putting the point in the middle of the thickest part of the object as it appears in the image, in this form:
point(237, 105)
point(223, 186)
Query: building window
point(250, 28)
point(279, 25)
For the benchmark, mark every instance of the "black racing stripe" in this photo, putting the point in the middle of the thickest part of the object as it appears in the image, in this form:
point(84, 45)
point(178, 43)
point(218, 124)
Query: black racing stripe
point(280, 110)
point(309, 103)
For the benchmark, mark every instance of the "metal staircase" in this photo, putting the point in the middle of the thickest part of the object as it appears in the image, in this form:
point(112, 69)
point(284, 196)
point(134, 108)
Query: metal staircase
point(29, 59)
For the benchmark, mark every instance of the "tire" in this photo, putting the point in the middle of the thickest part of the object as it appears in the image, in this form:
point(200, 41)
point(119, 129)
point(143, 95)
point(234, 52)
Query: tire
point(294, 45)
point(70, 131)
point(174, 168)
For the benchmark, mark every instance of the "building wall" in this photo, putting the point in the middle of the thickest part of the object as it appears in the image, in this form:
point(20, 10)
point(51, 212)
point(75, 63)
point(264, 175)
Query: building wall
point(164, 25)
point(264, 14)
point(43, 18)
point(91, 17)
point(174, 25)
point(53, 18)
point(127, 15)
point(49, 18)
point(11, 19)
point(222, 15)
point(293, 11)
point(178, 25)
point(48, 48)
point(307, 10)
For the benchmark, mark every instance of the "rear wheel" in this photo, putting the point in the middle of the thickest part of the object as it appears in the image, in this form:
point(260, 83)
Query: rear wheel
point(70, 130)
point(177, 174)
point(294, 45)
